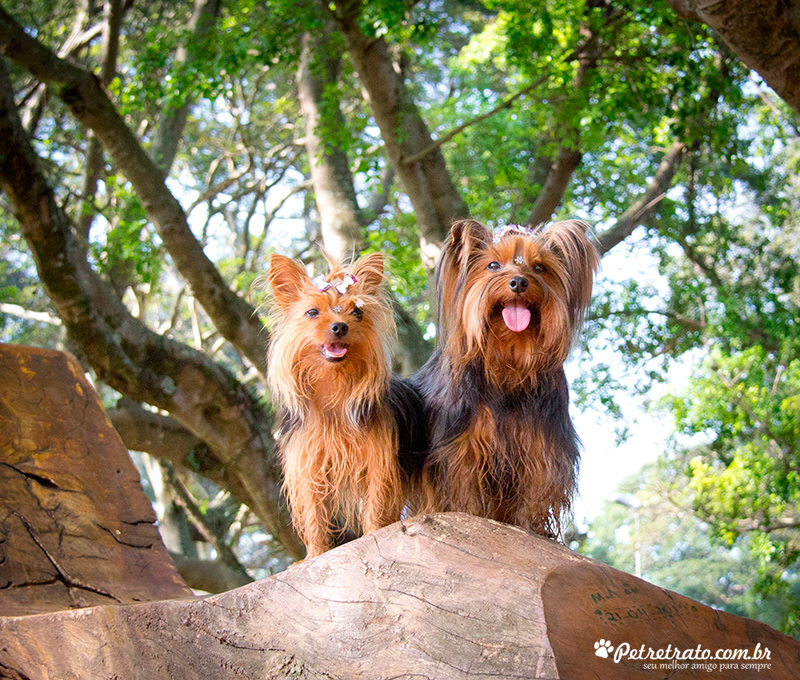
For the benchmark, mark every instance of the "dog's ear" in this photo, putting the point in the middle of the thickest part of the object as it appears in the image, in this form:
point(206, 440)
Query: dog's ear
point(287, 278)
point(570, 242)
point(467, 237)
point(466, 240)
point(369, 273)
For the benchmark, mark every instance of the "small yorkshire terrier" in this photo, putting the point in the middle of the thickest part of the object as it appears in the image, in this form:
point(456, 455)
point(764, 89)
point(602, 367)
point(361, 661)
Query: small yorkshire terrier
point(349, 426)
point(496, 397)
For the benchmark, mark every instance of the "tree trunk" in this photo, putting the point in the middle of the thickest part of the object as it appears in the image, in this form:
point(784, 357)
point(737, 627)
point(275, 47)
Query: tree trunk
point(764, 34)
point(443, 596)
point(413, 350)
point(330, 169)
point(340, 216)
point(427, 181)
point(569, 153)
point(112, 21)
point(558, 178)
point(169, 129)
point(172, 523)
point(132, 359)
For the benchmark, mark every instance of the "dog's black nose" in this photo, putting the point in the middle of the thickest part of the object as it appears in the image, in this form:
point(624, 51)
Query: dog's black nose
point(518, 284)
point(339, 329)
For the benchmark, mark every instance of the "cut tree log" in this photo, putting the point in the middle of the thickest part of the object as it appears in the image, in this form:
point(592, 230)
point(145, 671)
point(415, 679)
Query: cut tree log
point(76, 528)
point(441, 596)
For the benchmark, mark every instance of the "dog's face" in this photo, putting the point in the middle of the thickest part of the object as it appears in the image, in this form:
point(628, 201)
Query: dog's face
point(335, 327)
point(514, 298)
point(326, 326)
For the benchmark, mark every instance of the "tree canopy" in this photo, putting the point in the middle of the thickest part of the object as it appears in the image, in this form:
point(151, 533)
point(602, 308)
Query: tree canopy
point(154, 154)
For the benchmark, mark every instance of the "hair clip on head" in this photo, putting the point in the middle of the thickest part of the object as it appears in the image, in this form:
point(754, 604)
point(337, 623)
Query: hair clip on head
point(321, 284)
point(347, 281)
point(501, 232)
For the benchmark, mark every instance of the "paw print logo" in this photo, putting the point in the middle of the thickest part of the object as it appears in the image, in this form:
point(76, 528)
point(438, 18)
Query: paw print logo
point(603, 648)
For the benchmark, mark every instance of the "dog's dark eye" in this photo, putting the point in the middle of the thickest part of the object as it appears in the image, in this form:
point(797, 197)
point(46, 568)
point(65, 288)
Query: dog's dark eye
point(312, 313)
point(494, 266)
point(539, 268)
point(358, 313)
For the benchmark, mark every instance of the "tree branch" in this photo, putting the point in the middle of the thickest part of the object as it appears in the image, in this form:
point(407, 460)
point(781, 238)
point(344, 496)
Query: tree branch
point(128, 356)
point(22, 313)
point(84, 95)
point(166, 439)
point(169, 129)
point(505, 104)
point(112, 21)
point(225, 553)
point(413, 350)
point(693, 256)
point(211, 576)
point(689, 324)
point(427, 182)
point(77, 39)
point(776, 525)
point(377, 203)
point(744, 401)
point(558, 178)
point(569, 153)
point(642, 209)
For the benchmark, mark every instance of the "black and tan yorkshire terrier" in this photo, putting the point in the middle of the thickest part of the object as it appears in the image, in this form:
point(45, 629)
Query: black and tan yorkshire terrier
point(350, 428)
point(502, 442)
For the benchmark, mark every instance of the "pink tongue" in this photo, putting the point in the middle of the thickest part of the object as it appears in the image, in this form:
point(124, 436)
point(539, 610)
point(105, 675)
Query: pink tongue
point(517, 316)
point(336, 350)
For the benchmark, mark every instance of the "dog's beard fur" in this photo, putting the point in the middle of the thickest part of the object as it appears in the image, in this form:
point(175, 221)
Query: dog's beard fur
point(339, 445)
point(503, 445)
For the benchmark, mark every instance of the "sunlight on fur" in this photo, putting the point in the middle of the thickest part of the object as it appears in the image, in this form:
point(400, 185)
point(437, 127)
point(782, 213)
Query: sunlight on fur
point(329, 369)
point(510, 305)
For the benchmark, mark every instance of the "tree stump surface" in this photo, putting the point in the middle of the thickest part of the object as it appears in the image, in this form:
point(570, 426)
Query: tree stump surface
point(440, 596)
point(76, 528)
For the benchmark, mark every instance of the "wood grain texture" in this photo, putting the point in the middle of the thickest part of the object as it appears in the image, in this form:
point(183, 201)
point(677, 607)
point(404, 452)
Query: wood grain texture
point(621, 609)
point(76, 528)
point(442, 596)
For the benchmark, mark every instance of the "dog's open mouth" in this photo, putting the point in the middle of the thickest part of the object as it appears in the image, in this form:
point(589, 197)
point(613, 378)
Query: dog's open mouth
point(517, 315)
point(334, 351)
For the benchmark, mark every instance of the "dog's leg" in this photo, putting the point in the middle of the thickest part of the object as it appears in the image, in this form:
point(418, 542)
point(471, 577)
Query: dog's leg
point(313, 516)
point(307, 488)
point(383, 492)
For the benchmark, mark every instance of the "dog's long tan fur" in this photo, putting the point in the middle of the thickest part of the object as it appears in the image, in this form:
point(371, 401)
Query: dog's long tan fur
point(339, 447)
